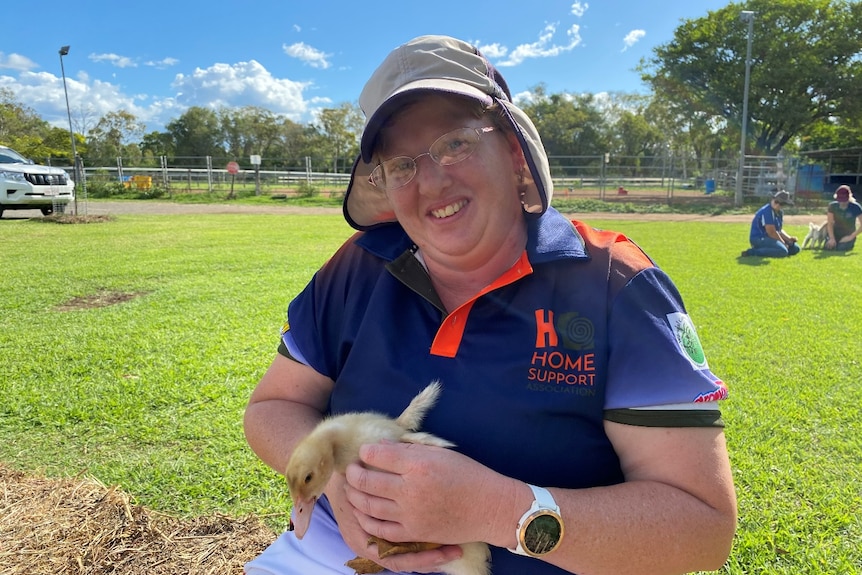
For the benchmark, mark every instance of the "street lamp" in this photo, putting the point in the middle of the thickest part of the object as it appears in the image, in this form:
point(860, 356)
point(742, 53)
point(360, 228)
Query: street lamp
point(63, 51)
point(745, 16)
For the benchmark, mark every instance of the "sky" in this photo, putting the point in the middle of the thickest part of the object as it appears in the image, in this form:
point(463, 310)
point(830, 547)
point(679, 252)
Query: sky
point(156, 59)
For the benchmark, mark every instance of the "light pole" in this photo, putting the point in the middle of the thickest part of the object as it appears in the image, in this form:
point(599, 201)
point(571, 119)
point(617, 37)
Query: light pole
point(745, 16)
point(63, 51)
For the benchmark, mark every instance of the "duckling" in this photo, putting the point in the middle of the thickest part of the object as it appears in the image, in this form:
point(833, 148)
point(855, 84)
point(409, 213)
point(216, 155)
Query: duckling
point(335, 443)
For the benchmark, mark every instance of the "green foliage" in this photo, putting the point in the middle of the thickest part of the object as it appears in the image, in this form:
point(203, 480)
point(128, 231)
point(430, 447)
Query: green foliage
point(569, 125)
point(805, 67)
point(149, 393)
point(306, 190)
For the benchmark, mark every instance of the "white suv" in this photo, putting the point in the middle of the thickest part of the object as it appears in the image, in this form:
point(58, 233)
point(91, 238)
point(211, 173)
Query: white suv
point(28, 186)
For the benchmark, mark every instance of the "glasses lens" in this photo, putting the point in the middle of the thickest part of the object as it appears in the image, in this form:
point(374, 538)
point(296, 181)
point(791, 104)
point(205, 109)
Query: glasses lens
point(450, 148)
point(454, 147)
point(394, 173)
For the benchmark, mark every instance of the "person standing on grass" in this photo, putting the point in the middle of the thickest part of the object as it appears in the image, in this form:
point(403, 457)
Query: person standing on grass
point(767, 238)
point(844, 220)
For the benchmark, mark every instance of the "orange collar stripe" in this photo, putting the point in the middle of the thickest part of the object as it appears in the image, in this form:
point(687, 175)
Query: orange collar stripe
point(451, 332)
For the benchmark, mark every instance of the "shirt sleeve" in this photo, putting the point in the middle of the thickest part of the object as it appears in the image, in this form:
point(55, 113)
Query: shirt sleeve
point(655, 355)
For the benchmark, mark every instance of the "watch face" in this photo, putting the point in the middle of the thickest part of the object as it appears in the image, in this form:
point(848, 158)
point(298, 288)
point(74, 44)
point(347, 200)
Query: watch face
point(543, 534)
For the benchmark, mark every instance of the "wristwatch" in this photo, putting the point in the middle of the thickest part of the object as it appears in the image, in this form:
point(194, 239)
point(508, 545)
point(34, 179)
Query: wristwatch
point(540, 529)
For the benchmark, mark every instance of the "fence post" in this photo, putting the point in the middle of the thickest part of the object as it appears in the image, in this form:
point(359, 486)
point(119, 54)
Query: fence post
point(210, 173)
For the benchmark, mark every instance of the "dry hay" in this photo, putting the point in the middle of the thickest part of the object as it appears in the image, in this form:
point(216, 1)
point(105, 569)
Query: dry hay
point(80, 527)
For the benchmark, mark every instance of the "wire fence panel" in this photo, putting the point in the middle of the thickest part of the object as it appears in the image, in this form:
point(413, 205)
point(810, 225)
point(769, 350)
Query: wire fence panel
point(602, 177)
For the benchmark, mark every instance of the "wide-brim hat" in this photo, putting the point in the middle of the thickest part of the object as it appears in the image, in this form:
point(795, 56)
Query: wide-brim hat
point(437, 64)
point(783, 198)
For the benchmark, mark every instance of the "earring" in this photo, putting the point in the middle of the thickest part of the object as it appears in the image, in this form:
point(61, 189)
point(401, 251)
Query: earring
point(522, 187)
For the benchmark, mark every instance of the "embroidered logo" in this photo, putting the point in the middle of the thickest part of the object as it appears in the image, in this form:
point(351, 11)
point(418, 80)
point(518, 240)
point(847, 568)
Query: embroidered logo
point(686, 336)
point(577, 331)
point(569, 370)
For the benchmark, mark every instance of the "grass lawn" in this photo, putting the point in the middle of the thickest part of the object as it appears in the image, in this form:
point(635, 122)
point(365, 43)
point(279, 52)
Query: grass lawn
point(129, 348)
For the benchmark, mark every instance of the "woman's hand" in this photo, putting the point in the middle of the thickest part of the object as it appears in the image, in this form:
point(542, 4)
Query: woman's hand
point(357, 538)
point(412, 492)
point(352, 533)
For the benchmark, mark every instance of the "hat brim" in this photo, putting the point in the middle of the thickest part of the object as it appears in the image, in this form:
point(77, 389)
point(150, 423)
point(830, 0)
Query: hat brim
point(393, 102)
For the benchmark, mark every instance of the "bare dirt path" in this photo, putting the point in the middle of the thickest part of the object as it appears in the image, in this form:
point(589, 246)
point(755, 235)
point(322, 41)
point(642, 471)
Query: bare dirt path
point(167, 208)
point(101, 208)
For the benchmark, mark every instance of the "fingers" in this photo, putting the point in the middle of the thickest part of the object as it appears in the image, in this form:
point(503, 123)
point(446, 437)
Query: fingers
point(422, 561)
point(368, 490)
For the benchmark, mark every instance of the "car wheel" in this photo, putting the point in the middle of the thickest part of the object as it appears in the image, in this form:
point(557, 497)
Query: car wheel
point(47, 211)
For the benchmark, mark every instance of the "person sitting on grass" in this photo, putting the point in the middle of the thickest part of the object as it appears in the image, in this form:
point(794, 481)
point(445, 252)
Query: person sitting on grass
point(842, 217)
point(767, 238)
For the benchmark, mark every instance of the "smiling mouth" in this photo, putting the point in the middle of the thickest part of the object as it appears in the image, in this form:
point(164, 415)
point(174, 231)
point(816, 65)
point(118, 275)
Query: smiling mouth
point(449, 210)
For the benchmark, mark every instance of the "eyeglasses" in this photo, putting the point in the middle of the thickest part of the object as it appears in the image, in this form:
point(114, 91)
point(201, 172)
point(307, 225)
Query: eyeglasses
point(450, 148)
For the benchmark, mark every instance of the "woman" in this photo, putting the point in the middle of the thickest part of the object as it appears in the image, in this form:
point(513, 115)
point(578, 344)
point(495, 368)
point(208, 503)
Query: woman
point(767, 236)
point(843, 220)
point(573, 382)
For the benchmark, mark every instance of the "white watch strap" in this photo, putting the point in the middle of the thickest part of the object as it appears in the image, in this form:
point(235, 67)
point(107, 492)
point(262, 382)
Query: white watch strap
point(542, 499)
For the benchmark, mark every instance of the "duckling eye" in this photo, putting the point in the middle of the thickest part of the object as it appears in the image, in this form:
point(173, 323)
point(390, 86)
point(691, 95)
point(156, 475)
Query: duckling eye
point(308, 478)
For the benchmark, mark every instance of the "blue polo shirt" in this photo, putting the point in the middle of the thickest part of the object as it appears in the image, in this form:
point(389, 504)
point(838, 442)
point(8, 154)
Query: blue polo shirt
point(763, 217)
point(583, 328)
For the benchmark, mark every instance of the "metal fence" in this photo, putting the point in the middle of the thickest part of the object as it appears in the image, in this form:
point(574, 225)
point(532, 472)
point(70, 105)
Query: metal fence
point(601, 177)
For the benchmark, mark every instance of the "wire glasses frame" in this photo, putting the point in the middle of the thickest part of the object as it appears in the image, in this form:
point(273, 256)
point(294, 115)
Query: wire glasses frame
point(450, 148)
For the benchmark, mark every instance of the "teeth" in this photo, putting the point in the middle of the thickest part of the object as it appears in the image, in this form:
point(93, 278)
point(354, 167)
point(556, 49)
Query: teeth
point(448, 210)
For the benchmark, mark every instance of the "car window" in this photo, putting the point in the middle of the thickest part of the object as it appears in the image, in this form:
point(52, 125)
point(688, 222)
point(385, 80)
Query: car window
point(9, 157)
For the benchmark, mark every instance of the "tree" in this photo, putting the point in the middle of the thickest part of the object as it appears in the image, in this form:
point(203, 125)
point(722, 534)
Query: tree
point(340, 128)
point(805, 68)
point(20, 127)
point(196, 134)
point(248, 130)
point(831, 134)
point(116, 134)
point(155, 145)
point(569, 125)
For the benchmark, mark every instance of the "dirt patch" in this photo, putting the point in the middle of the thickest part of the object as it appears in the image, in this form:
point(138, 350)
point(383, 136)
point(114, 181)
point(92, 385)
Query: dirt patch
point(78, 525)
point(102, 298)
point(75, 219)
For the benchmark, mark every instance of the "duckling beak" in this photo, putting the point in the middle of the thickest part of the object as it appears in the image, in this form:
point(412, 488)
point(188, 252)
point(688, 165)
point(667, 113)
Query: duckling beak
point(301, 518)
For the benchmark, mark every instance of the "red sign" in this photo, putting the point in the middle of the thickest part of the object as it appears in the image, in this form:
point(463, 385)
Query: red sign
point(232, 167)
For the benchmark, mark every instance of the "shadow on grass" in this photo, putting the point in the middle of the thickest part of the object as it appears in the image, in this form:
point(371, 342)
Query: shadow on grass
point(752, 261)
point(823, 254)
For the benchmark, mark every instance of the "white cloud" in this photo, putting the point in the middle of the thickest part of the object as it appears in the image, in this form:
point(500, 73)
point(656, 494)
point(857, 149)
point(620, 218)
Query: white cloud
point(89, 99)
point(16, 62)
point(579, 8)
point(632, 38)
point(241, 84)
point(544, 47)
point(114, 59)
point(311, 56)
point(163, 63)
point(492, 51)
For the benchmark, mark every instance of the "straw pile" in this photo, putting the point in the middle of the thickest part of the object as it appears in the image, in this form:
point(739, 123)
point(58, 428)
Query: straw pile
point(80, 527)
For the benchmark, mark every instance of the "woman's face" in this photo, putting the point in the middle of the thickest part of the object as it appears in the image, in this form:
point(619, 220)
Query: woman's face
point(459, 215)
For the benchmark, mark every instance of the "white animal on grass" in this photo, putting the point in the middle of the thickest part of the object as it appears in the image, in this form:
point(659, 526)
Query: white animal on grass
point(816, 235)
